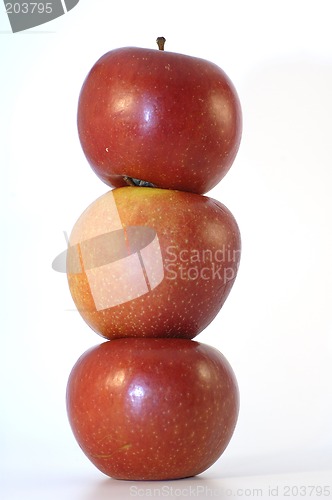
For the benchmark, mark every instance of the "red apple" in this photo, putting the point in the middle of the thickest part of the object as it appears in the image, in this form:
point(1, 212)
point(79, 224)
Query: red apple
point(166, 118)
point(148, 262)
point(152, 409)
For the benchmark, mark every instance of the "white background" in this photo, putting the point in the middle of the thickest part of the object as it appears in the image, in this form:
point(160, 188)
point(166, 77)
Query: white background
point(275, 328)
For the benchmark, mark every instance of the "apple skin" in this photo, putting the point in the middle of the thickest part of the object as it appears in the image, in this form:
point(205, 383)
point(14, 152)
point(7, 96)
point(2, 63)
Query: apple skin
point(152, 409)
point(173, 287)
point(170, 119)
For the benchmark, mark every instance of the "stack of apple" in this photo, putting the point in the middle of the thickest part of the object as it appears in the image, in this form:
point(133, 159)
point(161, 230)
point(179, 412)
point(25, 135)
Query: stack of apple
point(151, 262)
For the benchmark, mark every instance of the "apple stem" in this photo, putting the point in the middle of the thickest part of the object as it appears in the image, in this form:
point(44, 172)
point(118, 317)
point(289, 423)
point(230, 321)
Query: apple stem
point(129, 180)
point(161, 42)
point(137, 182)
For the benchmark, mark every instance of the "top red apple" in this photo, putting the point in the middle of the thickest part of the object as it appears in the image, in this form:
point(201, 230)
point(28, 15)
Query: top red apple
point(164, 118)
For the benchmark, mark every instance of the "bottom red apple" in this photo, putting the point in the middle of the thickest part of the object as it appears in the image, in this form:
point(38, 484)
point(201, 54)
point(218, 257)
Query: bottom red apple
point(152, 409)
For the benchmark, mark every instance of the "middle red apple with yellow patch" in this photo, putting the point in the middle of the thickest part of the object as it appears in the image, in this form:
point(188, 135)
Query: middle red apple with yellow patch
point(148, 262)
